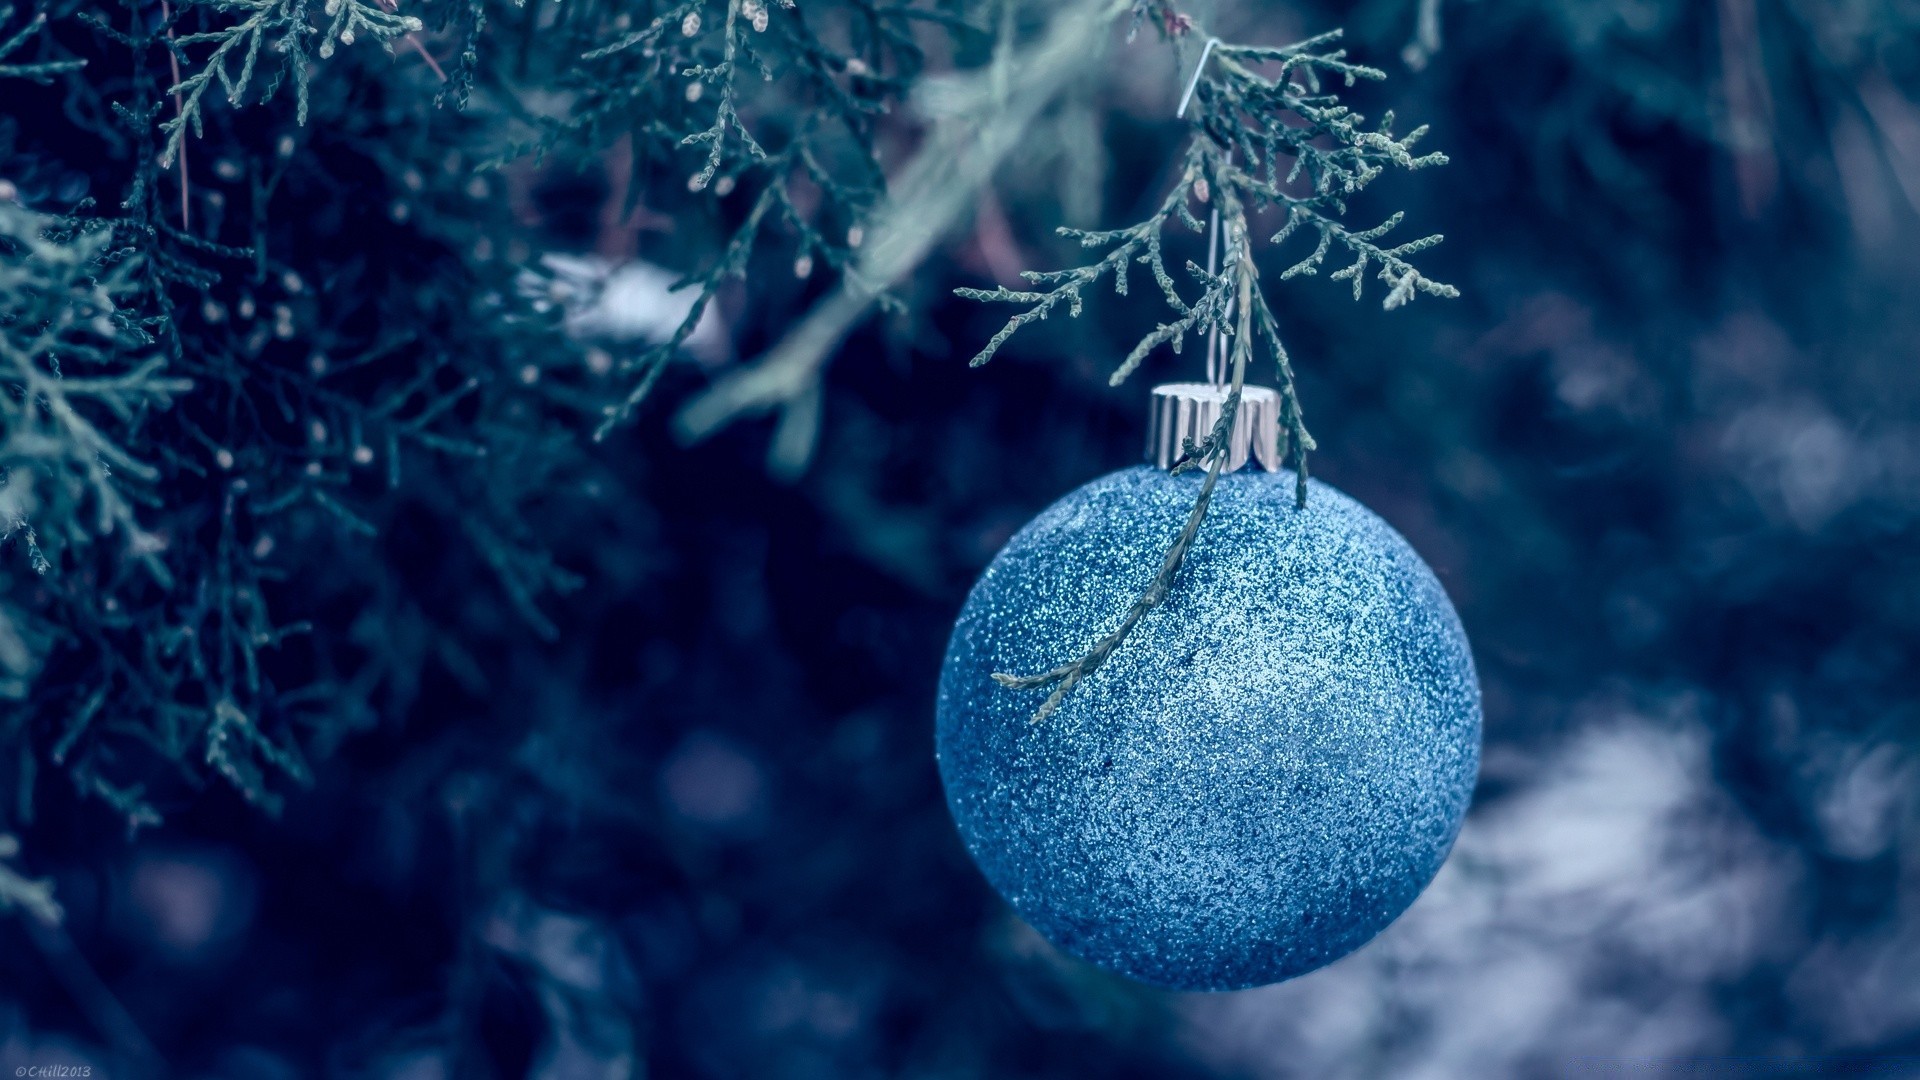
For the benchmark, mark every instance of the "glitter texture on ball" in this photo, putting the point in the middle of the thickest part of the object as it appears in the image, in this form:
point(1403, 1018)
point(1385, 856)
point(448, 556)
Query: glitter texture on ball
point(1266, 772)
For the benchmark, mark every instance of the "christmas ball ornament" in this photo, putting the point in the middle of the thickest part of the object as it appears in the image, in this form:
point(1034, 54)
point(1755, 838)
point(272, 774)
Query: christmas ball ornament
point(1268, 769)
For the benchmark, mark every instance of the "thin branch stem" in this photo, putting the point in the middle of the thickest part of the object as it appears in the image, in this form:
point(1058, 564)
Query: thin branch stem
point(1215, 452)
point(180, 113)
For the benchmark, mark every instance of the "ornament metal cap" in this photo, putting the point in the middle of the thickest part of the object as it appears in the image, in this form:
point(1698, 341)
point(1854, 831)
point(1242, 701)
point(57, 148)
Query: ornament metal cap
point(1183, 411)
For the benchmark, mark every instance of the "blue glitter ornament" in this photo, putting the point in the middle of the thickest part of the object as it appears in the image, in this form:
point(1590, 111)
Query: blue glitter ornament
point(1260, 778)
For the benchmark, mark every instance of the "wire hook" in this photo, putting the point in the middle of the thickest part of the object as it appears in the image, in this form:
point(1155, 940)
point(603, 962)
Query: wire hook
point(1194, 83)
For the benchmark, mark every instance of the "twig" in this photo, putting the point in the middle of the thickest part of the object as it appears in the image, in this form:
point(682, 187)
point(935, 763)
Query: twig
point(38, 72)
point(179, 110)
point(1215, 451)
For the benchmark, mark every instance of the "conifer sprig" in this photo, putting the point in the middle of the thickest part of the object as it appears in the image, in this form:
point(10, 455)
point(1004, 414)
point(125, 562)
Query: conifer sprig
point(1142, 243)
point(17, 891)
point(38, 70)
point(282, 30)
point(1278, 140)
point(1212, 451)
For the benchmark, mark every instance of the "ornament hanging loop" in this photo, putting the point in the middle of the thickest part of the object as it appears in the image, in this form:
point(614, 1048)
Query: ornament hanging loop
point(1216, 348)
point(1194, 83)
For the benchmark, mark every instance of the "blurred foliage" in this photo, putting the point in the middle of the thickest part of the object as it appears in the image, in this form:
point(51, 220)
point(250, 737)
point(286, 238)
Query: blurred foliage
point(32, 896)
point(209, 394)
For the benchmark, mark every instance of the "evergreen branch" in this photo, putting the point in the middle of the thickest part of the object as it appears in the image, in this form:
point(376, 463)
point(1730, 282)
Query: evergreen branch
point(31, 895)
point(1264, 119)
point(1293, 423)
point(149, 531)
point(1140, 243)
point(233, 742)
point(39, 71)
point(279, 28)
point(1214, 451)
point(683, 15)
point(53, 419)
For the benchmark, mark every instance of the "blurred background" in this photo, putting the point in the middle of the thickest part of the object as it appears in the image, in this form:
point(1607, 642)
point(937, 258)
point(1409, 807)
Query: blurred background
point(1664, 453)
